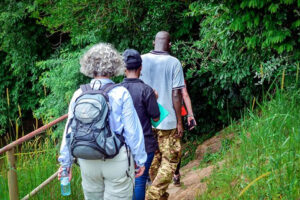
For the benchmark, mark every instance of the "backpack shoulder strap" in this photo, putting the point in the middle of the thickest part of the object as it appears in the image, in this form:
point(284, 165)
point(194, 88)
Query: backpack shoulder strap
point(108, 87)
point(85, 87)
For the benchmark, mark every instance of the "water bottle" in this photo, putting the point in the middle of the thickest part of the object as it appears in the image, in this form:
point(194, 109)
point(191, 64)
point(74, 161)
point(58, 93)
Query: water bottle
point(65, 183)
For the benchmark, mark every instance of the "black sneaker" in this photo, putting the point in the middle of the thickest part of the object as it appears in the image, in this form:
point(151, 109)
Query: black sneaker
point(176, 180)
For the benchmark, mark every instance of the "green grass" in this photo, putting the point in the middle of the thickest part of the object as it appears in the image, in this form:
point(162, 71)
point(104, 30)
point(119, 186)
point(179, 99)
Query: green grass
point(35, 164)
point(265, 155)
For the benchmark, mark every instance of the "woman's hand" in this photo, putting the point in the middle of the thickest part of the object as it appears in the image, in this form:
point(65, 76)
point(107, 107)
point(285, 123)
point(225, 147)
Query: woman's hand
point(60, 171)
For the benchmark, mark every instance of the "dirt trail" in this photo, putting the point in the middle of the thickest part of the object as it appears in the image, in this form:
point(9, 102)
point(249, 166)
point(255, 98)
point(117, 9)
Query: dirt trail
point(192, 183)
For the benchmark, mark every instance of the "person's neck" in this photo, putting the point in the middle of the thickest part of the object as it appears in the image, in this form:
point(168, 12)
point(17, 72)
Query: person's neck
point(132, 75)
point(161, 48)
point(101, 77)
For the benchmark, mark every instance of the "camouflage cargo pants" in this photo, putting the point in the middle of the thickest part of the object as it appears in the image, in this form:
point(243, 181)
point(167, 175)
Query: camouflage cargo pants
point(164, 164)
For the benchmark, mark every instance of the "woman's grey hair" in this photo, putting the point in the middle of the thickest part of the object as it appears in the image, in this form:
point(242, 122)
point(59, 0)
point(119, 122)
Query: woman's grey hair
point(102, 60)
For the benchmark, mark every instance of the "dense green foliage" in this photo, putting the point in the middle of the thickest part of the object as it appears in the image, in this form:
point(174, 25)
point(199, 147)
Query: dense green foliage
point(226, 67)
point(267, 24)
point(230, 50)
point(263, 161)
point(22, 43)
point(122, 23)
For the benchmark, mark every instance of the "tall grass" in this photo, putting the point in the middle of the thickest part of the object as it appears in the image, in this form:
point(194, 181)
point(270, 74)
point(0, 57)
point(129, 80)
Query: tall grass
point(264, 162)
point(35, 162)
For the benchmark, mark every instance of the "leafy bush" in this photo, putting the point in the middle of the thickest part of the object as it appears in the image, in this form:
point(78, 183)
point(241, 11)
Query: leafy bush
point(22, 43)
point(267, 24)
point(225, 70)
point(62, 76)
point(123, 23)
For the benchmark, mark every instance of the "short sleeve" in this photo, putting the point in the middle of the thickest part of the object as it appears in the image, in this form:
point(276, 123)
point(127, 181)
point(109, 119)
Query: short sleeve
point(177, 76)
point(151, 104)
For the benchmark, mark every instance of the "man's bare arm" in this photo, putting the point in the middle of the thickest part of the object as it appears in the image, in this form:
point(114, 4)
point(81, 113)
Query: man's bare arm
point(188, 104)
point(177, 102)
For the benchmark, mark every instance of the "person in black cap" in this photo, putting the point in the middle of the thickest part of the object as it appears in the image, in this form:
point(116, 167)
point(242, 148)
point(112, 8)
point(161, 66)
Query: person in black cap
point(144, 100)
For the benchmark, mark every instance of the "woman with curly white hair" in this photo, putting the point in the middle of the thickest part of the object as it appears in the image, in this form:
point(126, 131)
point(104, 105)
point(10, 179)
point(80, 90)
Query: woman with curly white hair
point(112, 178)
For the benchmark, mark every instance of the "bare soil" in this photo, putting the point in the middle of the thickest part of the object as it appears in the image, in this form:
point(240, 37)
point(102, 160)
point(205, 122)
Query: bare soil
point(192, 177)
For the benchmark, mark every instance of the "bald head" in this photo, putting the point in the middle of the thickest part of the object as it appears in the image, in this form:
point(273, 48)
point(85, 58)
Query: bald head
point(162, 35)
point(162, 41)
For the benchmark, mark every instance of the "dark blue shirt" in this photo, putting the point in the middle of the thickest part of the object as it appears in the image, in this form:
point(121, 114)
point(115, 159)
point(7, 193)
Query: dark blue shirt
point(146, 107)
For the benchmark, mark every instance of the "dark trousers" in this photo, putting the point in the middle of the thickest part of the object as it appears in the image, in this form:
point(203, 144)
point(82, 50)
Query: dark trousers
point(178, 168)
point(140, 182)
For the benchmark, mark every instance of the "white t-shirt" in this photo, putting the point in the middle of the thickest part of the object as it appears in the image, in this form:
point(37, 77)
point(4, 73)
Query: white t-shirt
point(163, 73)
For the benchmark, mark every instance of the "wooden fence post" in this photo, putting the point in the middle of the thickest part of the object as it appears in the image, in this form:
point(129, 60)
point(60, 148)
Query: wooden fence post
point(12, 175)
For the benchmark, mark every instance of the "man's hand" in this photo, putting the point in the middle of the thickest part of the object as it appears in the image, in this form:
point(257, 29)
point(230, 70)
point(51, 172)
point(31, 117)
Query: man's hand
point(156, 94)
point(179, 130)
point(140, 172)
point(191, 122)
point(60, 171)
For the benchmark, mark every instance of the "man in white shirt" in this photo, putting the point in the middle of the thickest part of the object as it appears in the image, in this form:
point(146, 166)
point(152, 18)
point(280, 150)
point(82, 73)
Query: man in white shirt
point(164, 73)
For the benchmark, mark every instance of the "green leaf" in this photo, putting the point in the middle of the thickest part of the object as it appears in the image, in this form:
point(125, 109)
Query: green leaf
point(273, 8)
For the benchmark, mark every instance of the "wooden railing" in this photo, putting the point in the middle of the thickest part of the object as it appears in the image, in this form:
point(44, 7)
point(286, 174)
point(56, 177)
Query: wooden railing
point(12, 173)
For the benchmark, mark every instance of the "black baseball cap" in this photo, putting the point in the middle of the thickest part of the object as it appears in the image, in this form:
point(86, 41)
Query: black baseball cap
point(132, 59)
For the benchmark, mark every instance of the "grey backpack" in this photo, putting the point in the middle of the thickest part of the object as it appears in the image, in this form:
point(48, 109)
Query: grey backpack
point(91, 137)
